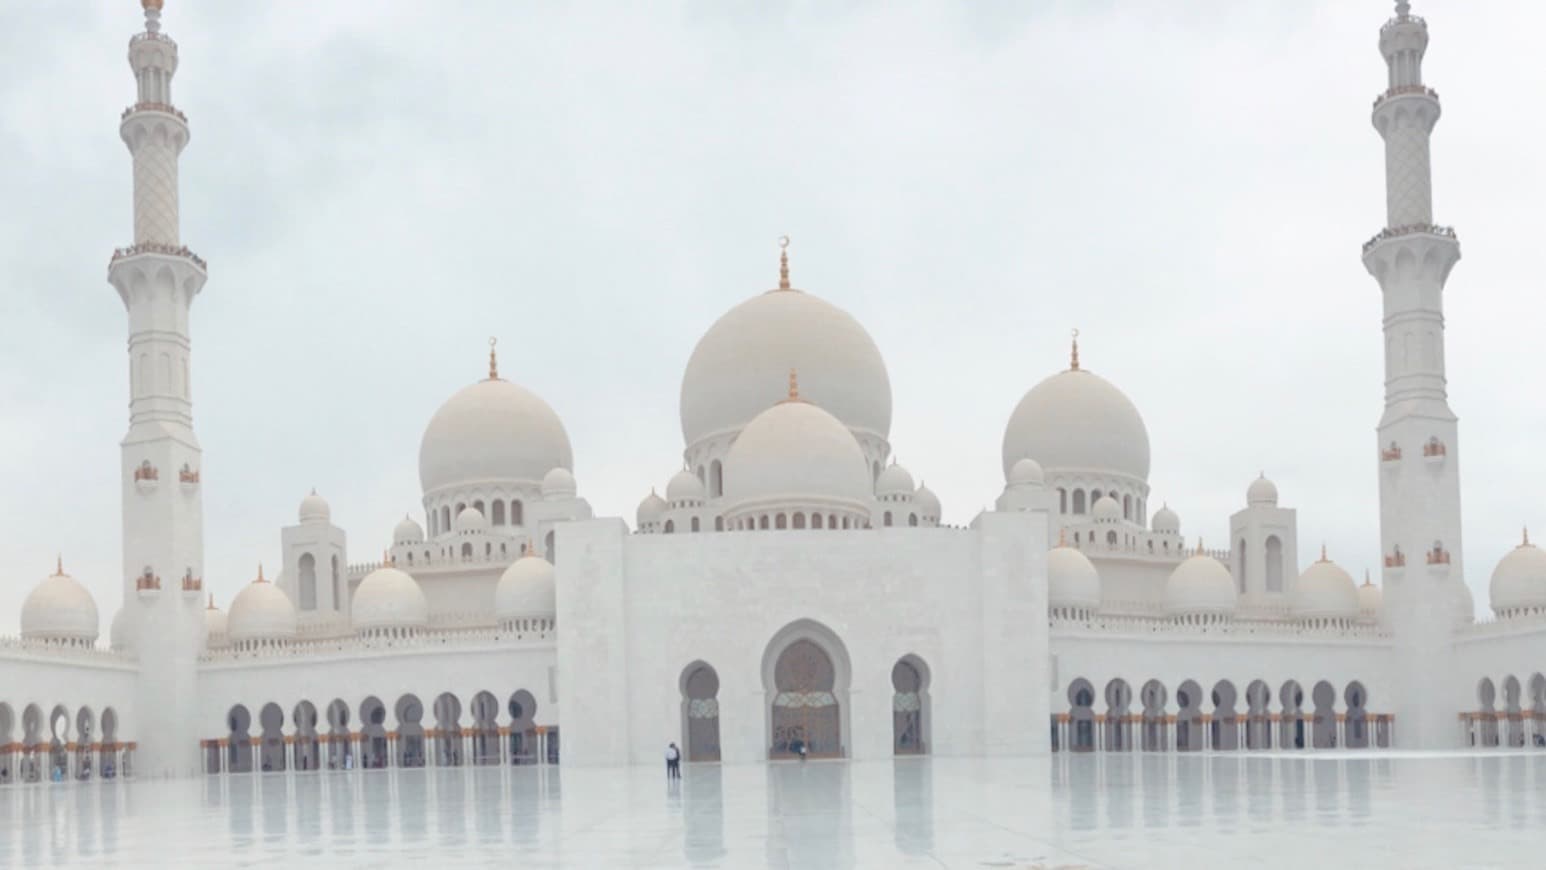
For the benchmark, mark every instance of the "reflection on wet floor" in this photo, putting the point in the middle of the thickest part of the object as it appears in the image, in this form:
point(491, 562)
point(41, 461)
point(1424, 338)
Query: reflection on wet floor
point(1121, 810)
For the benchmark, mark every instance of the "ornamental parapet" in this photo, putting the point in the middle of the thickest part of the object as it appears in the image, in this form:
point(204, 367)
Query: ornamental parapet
point(1399, 20)
point(1405, 91)
point(429, 639)
point(1409, 230)
point(192, 583)
point(1438, 556)
point(1434, 448)
point(165, 108)
point(158, 248)
point(1391, 453)
point(1236, 628)
point(148, 36)
point(1396, 559)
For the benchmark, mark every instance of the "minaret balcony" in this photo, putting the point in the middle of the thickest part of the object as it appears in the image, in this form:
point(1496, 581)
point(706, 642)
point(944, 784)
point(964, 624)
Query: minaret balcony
point(1408, 230)
point(193, 587)
point(1405, 91)
point(1395, 561)
point(188, 478)
point(157, 248)
point(1391, 453)
point(1434, 452)
point(163, 108)
point(146, 478)
point(148, 585)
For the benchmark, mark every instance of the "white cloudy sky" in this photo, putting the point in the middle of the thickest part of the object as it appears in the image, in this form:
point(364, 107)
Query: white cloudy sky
point(378, 186)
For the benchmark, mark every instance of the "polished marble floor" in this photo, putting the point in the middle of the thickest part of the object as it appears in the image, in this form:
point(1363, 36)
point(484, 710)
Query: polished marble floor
point(1138, 811)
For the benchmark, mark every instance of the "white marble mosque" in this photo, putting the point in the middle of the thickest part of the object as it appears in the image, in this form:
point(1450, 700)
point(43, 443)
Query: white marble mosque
point(789, 588)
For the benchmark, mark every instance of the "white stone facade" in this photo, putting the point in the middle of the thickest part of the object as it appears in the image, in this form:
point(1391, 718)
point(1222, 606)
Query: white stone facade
point(794, 591)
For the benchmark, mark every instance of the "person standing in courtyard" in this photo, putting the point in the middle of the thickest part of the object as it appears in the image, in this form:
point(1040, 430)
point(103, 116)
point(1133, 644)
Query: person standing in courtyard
point(673, 762)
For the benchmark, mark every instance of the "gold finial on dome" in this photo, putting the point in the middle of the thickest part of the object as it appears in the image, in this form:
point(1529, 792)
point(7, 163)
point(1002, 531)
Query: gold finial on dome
point(211, 605)
point(1526, 537)
point(783, 262)
point(1323, 552)
point(58, 564)
point(386, 559)
point(1063, 537)
point(1366, 577)
point(531, 547)
point(794, 386)
point(260, 574)
point(1073, 357)
point(493, 361)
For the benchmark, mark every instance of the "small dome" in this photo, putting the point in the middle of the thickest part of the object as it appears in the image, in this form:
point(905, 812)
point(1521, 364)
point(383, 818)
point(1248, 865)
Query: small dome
point(408, 531)
point(1027, 472)
point(736, 370)
point(1202, 585)
point(893, 481)
point(471, 520)
point(650, 509)
point(1106, 510)
point(927, 502)
point(1077, 420)
point(493, 430)
point(796, 452)
point(526, 590)
point(1166, 521)
point(261, 611)
point(1262, 493)
point(1371, 598)
point(559, 483)
point(388, 598)
point(1325, 591)
point(121, 633)
point(684, 486)
point(216, 626)
point(314, 509)
point(1519, 581)
point(1072, 580)
point(1464, 604)
point(59, 608)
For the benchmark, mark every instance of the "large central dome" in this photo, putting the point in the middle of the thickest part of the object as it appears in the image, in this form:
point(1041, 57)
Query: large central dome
point(739, 365)
point(1078, 421)
point(492, 430)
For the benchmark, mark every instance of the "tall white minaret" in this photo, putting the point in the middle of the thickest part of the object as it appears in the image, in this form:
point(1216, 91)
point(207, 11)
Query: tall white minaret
point(163, 530)
point(1418, 450)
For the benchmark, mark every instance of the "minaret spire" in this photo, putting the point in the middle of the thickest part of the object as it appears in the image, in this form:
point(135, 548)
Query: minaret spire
point(1417, 452)
point(1073, 354)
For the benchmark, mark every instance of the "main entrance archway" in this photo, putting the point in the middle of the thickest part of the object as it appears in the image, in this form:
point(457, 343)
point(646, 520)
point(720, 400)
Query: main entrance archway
point(806, 674)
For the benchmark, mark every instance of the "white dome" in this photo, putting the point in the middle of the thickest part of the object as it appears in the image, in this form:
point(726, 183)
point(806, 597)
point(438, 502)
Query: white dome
point(59, 608)
point(559, 483)
point(261, 611)
point(1027, 472)
point(684, 486)
point(1106, 510)
point(388, 598)
point(526, 590)
point(1072, 580)
point(650, 509)
point(796, 452)
point(492, 430)
point(927, 502)
point(1078, 421)
point(314, 509)
point(471, 520)
point(894, 481)
point(1262, 492)
point(1519, 581)
point(121, 634)
point(1371, 599)
point(408, 531)
point(1325, 591)
point(1464, 604)
point(1166, 521)
point(1201, 584)
point(737, 368)
point(216, 625)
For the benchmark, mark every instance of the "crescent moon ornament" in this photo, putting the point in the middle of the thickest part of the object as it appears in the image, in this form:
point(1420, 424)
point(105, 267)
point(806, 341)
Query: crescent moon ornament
point(783, 241)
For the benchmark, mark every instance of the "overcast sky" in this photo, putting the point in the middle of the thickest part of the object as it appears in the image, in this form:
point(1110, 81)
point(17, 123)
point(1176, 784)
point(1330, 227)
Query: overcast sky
point(379, 186)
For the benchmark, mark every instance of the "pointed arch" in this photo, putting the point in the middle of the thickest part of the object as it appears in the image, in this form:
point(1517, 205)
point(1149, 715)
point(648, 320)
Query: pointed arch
point(806, 674)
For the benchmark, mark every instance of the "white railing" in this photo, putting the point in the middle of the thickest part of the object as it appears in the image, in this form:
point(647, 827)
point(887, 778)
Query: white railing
point(541, 633)
point(17, 648)
point(1111, 623)
point(1492, 626)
